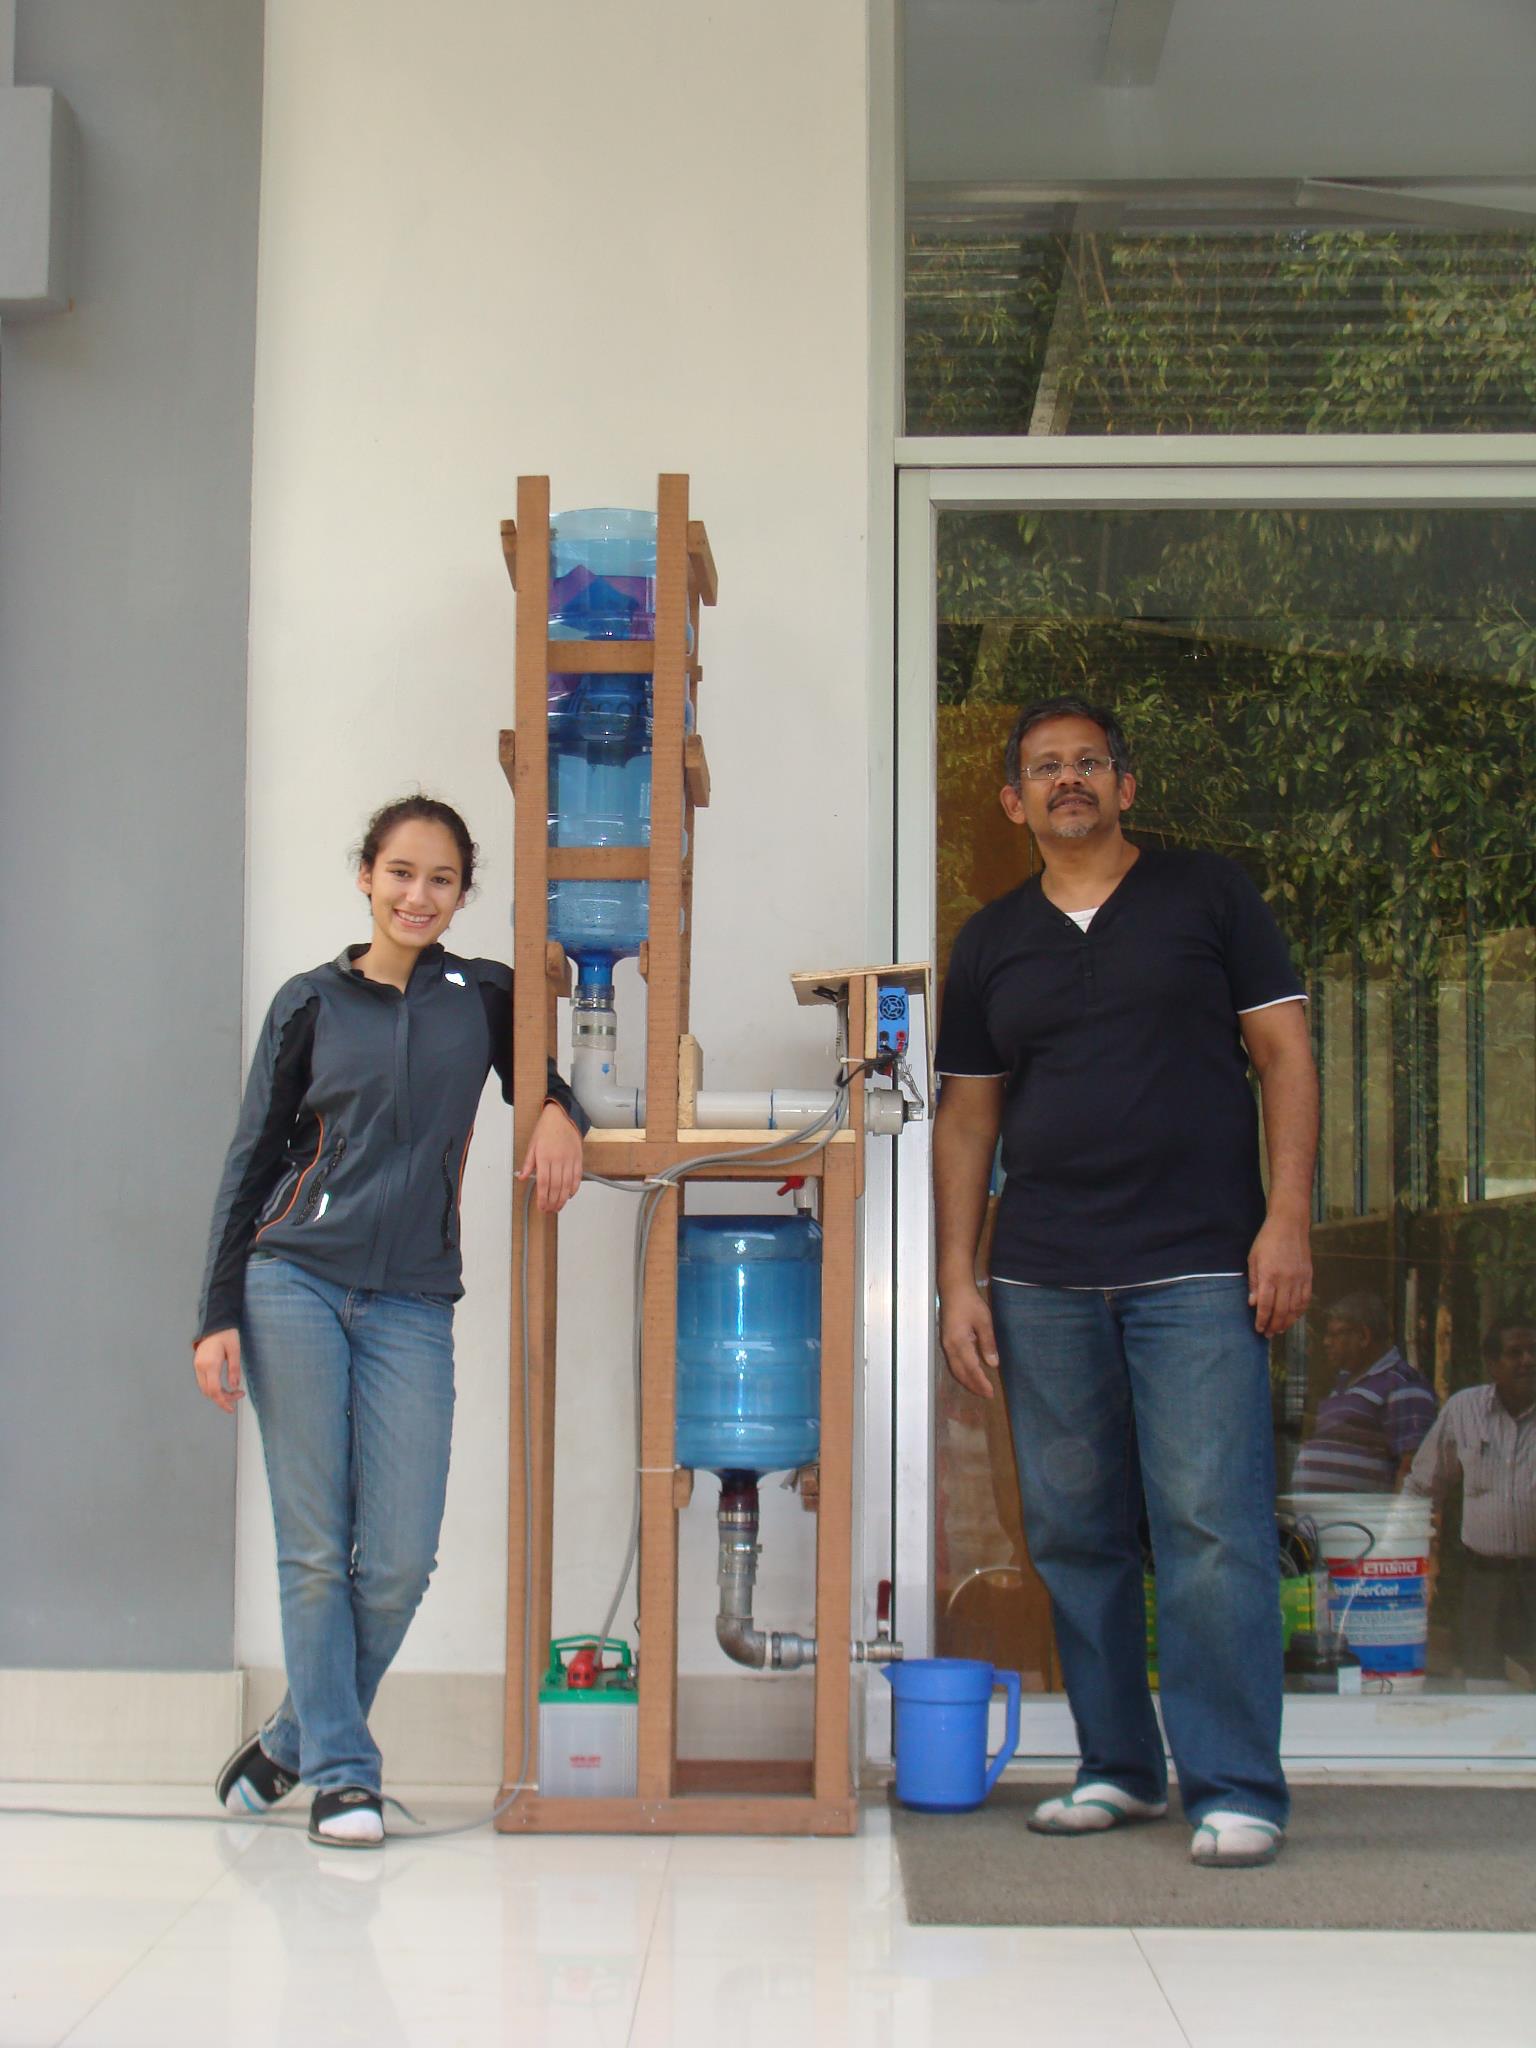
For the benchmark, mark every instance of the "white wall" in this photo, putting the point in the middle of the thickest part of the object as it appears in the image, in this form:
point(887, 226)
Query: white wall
point(595, 243)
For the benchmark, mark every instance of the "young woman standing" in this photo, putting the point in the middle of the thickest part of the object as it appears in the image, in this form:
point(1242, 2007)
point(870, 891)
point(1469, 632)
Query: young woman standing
point(333, 1268)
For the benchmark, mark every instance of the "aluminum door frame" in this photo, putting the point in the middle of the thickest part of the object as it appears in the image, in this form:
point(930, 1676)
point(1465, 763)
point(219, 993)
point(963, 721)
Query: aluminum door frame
point(1137, 473)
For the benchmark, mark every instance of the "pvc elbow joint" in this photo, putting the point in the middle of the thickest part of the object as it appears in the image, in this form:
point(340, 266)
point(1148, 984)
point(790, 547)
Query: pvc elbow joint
point(594, 1066)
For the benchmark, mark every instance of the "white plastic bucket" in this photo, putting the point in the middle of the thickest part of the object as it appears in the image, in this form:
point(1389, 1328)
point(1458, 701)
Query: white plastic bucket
point(1376, 1547)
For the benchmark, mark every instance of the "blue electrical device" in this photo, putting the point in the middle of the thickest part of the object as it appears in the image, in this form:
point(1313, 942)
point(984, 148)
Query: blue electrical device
point(893, 1022)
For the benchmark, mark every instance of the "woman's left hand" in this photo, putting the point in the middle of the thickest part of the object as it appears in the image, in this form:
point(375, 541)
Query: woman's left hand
point(554, 1159)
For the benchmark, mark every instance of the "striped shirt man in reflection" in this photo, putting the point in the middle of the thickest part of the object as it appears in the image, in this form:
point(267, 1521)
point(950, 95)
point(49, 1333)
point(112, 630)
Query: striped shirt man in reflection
point(1377, 1412)
point(1486, 1438)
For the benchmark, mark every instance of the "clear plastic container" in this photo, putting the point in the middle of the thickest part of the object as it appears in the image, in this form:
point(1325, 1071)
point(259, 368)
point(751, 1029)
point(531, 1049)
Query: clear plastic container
point(748, 1343)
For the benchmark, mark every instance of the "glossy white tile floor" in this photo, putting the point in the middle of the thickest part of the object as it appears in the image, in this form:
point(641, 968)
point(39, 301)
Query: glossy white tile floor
point(120, 1934)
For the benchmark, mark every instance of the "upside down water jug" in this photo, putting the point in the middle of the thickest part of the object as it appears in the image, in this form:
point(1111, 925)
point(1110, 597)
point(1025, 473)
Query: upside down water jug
point(602, 587)
point(748, 1343)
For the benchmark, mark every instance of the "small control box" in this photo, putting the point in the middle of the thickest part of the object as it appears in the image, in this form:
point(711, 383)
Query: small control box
point(893, 1024)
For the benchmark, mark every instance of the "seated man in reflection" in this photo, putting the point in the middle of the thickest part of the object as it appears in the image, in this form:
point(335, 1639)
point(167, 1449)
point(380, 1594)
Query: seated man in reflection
point(1377, 1412)
point(1486, 1438)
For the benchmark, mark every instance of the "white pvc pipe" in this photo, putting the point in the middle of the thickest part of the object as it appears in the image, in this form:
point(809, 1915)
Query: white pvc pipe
point(595, 1084)
point(762, 1109)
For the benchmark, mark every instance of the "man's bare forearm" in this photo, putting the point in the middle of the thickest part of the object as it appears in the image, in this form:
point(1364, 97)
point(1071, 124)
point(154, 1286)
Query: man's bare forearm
point(964, 1141)
point(1288, 1091)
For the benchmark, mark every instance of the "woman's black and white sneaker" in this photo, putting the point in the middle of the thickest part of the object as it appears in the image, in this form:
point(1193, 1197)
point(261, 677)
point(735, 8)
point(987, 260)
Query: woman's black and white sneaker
point(250, 1782)
point(350, 1817)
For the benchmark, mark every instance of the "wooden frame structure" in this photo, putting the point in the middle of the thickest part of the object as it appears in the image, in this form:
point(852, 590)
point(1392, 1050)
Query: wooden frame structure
point(673, 1795)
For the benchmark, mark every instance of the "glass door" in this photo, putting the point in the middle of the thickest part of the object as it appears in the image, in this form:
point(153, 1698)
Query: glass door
point(1328, 675)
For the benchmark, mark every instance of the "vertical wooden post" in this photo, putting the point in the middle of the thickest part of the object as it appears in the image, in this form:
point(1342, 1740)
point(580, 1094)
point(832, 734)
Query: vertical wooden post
point(528, 1568)
point(664, 988)
point(832, 1777)
point(690, 821)
point(658, 1507)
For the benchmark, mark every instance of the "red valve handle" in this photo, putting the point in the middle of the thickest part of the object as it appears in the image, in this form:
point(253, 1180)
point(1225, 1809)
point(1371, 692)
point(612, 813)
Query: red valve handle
point(581, 1673)
point(796, 1180)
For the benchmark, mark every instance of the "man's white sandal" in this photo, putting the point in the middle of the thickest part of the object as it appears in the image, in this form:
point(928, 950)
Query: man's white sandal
point(1090, 1809)
point(1235, 1841)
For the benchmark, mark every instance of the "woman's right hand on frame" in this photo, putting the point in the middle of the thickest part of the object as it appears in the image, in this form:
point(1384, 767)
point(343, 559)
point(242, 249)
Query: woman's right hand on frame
point(216, 1361)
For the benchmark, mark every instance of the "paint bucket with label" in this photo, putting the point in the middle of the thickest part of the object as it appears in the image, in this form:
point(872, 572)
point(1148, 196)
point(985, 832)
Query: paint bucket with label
point(1376, 1549)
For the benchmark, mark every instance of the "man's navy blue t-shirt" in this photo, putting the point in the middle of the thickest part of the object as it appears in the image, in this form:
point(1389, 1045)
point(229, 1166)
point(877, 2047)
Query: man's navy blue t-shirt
point(1130, 1129)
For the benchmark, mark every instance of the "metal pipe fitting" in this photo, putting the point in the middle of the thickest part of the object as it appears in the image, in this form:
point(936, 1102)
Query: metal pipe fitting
point(761, 1649)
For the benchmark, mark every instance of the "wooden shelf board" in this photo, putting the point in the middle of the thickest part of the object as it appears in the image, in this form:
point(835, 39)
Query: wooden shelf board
point(827, 985)
point(705, 1813)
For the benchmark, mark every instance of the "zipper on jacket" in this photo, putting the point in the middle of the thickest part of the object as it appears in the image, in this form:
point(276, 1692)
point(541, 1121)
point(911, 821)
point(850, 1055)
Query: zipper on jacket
point(279, 1196)
point(317, 1185)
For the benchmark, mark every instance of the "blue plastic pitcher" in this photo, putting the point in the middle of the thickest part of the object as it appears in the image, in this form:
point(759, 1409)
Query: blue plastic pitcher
point(941, 1731)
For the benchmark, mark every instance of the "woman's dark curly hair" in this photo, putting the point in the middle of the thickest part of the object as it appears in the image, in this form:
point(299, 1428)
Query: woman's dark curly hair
point(406, 810)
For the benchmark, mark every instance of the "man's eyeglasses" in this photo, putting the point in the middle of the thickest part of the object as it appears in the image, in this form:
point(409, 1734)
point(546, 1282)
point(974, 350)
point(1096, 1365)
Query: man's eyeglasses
point(1086, 765)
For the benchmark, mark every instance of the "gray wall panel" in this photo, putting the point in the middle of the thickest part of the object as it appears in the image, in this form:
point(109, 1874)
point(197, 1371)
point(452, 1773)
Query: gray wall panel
point(125, 463)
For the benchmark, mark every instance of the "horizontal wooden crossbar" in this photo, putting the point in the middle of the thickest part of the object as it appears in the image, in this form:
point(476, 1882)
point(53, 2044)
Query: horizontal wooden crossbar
point(602, 657)
point(599, 863)
point(630, 1155)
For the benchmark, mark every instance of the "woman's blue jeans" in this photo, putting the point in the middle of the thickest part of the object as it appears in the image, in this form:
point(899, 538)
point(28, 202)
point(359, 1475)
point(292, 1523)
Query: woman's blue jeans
point(1162, 1390)
point(354, 1393)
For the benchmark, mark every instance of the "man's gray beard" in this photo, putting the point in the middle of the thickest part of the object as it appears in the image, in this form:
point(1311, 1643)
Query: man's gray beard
point(1076, 827)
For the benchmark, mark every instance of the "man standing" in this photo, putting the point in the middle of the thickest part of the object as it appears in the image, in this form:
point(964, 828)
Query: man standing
point(1376, 1413)
point(1103, 1017)
point(1486, 1438)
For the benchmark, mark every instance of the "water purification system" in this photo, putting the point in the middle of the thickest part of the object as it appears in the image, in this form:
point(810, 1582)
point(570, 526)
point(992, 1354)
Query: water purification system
point(745, 1343)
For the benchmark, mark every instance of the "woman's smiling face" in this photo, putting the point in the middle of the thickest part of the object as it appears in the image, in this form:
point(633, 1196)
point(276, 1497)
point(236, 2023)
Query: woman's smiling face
point(415, 884)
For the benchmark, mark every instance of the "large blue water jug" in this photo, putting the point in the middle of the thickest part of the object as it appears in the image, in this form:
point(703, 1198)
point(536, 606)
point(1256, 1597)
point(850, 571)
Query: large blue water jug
point(941, 1731)
point(602, 587)
point(748, 1342)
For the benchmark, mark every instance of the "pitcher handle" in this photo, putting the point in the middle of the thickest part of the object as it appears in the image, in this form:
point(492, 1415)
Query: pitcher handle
point(1009, 1681)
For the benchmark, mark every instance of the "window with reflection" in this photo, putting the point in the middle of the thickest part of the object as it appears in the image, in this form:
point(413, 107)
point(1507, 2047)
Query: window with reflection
point(1215, 310)
point(1343, 702)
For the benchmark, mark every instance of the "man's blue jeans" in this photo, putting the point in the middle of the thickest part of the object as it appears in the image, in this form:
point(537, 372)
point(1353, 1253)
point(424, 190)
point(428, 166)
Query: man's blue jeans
point(1164, 1390)
point(354, 1393)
